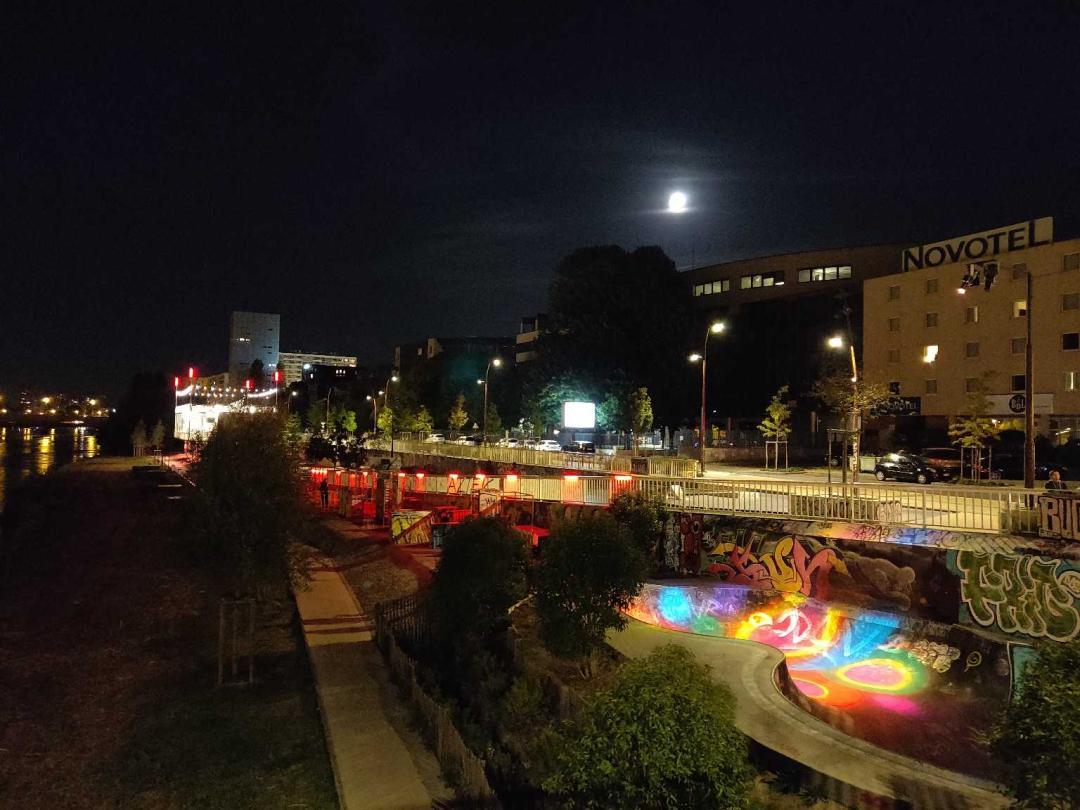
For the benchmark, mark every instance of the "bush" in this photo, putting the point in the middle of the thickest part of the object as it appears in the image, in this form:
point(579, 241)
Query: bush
point(644, 517)
point(480, 576)
point(590, 572)
point(247, 504)
point(662, 736)
point(1039, 737)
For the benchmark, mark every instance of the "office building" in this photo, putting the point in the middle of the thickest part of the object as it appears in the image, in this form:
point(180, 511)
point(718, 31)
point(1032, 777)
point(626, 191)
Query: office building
point(937, 343)
point(253, 336)
point(527, 340)
point(293, 364)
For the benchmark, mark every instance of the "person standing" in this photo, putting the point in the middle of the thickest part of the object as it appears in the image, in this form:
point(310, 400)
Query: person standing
point(324, 493)
point(1055, 481)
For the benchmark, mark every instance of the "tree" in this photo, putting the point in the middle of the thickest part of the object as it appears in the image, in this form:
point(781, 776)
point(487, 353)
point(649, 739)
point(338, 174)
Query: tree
point(458, 417)
point(590, 572)
point(611, 413)
point(343, 420)
point(139, 439)
point(1038, 740)
point(620, 317)
point(423, 420)
point(836, 392)
point(662, 735)
point(480, 575)
point(257, 374)
point(157, 436)
point(494, 422)
point(776, 426)
point(246, 508)
point(316, 417)
point(639, 412)
point(643, 517)
point(386, 419)
point(976, 429)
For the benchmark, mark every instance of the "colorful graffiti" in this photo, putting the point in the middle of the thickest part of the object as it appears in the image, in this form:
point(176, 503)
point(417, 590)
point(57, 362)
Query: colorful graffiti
point(787, 567)
point(1019, 593)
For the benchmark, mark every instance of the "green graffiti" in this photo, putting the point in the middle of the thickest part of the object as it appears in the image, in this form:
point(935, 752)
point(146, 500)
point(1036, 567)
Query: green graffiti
point(1035, 596)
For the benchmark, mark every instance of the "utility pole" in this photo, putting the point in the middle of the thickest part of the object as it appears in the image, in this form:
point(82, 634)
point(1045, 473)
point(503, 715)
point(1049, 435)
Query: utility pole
point(1029, 395)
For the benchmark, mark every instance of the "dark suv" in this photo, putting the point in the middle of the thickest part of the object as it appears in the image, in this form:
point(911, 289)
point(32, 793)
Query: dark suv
point(905, 467)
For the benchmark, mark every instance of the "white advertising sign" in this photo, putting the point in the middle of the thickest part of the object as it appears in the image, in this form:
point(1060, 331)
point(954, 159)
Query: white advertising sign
point(1014, 404)
point(579, 415)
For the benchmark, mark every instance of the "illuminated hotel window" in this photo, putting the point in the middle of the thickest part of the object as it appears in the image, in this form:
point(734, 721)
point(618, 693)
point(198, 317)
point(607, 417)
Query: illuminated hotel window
point(773, 279)
point(1071, 380)
point(971, 315)
point(1019, 309)
point(808, 274)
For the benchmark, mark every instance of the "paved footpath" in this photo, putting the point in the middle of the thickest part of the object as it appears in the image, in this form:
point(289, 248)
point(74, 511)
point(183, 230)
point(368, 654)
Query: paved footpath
point(379, 762)
point(855, 772)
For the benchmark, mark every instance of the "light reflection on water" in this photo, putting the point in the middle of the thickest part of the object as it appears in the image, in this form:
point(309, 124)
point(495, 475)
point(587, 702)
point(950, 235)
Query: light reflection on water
point(35, 451)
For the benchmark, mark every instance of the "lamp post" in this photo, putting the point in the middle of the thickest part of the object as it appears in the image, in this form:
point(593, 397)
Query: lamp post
point(374, 400)
point(327, 422)
point(393, 378)
point(494, 361)
point(837, 342)
point(714, 329)
point(288, 402)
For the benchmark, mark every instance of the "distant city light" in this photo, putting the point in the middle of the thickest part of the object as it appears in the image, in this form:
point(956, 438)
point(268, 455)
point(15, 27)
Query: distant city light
point(676, 203)
point(836, 342)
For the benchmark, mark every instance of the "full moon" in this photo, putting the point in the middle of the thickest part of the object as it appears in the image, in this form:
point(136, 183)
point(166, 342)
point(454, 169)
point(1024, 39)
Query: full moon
point(676, 203)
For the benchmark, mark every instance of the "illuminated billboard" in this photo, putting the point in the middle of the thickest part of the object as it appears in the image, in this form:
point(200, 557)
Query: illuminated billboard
point(579, 415)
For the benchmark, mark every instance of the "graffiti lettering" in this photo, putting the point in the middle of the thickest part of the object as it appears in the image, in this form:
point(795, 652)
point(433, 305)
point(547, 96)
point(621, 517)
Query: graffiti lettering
point(1035, 596)
point(788, 568)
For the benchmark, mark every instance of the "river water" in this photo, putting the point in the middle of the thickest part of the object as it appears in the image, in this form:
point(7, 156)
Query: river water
point(35, 451)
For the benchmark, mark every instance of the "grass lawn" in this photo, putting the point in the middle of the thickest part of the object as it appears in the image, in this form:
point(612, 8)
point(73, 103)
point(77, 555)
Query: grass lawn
point(107, 669)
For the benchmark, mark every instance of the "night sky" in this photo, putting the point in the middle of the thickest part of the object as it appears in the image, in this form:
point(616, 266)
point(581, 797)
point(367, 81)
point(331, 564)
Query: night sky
point(381, 172)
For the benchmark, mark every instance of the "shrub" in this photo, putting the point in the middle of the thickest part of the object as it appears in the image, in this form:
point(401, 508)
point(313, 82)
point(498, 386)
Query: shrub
point(590, 572)
point(662, 736)
point(480, 576)
point(644, 517)
point(1039, 737)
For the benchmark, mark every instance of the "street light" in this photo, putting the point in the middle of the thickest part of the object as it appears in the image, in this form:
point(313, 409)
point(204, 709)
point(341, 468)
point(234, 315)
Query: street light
point(714, 329)
point(837, 342)
point(494, 361)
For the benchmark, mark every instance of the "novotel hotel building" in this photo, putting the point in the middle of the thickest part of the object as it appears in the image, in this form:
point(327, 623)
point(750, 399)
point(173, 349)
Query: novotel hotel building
point(954, 322)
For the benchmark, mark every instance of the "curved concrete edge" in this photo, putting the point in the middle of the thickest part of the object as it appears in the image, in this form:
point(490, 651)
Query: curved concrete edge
point(842, 767)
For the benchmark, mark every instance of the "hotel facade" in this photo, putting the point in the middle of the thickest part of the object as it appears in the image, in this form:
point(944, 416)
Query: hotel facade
point(937, 340)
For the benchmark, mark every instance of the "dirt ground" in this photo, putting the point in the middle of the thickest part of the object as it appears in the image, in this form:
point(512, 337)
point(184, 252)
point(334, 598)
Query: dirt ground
point(107, 664)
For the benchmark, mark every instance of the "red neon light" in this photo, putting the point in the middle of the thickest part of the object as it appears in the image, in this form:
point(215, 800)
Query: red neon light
point(481, 476)
point(570, 478)
point(420, 474)
point(511, 477)
point(277, 376)
point(401, 475)
point(191, 373)
point(176, 382)
point(249, 384)
point(624, 478)
point(455, 476)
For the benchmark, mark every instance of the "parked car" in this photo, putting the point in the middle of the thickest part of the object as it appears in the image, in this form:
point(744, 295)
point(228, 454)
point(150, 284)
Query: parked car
point(905, 467)
point(435, 438)
point(944, 460)
point(549, 445)
point(508, 442)
point(469, 440)
point(579, 447)
point(529, 444)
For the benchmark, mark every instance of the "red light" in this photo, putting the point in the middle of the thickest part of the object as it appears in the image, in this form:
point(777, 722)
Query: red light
point(401, 475)
point(570, 478)
point(624, 478)
point(454, 476)
point(249, 384)
point(277, 376)
point(191, 373)
point(511, 477)
point(176, 382)
point(420, 474)
point(480, 476)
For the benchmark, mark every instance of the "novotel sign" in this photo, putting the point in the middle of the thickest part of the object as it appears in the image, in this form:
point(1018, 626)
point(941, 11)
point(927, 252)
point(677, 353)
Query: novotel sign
point(976, 247)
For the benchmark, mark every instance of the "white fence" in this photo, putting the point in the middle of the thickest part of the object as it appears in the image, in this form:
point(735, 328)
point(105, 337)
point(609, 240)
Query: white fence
point(971, 509)
point(524, 457)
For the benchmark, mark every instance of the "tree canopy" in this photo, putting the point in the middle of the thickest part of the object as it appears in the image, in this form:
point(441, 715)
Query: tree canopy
point(662, 736)
point(1038, 740)
point(590, 571)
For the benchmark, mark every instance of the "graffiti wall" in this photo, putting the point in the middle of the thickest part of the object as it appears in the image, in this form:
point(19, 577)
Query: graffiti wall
point(922, 688)
point(542, 514)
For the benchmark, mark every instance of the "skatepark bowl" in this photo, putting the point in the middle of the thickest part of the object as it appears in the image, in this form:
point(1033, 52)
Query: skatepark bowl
point(921, 689)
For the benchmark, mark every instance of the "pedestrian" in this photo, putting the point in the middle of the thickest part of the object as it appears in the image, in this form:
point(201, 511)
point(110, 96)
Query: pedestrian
point(1055, 481)
point(324, 493)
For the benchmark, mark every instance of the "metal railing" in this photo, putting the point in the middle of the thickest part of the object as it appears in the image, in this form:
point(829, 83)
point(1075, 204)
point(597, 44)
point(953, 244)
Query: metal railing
point(971, 509)
point(525, 457)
